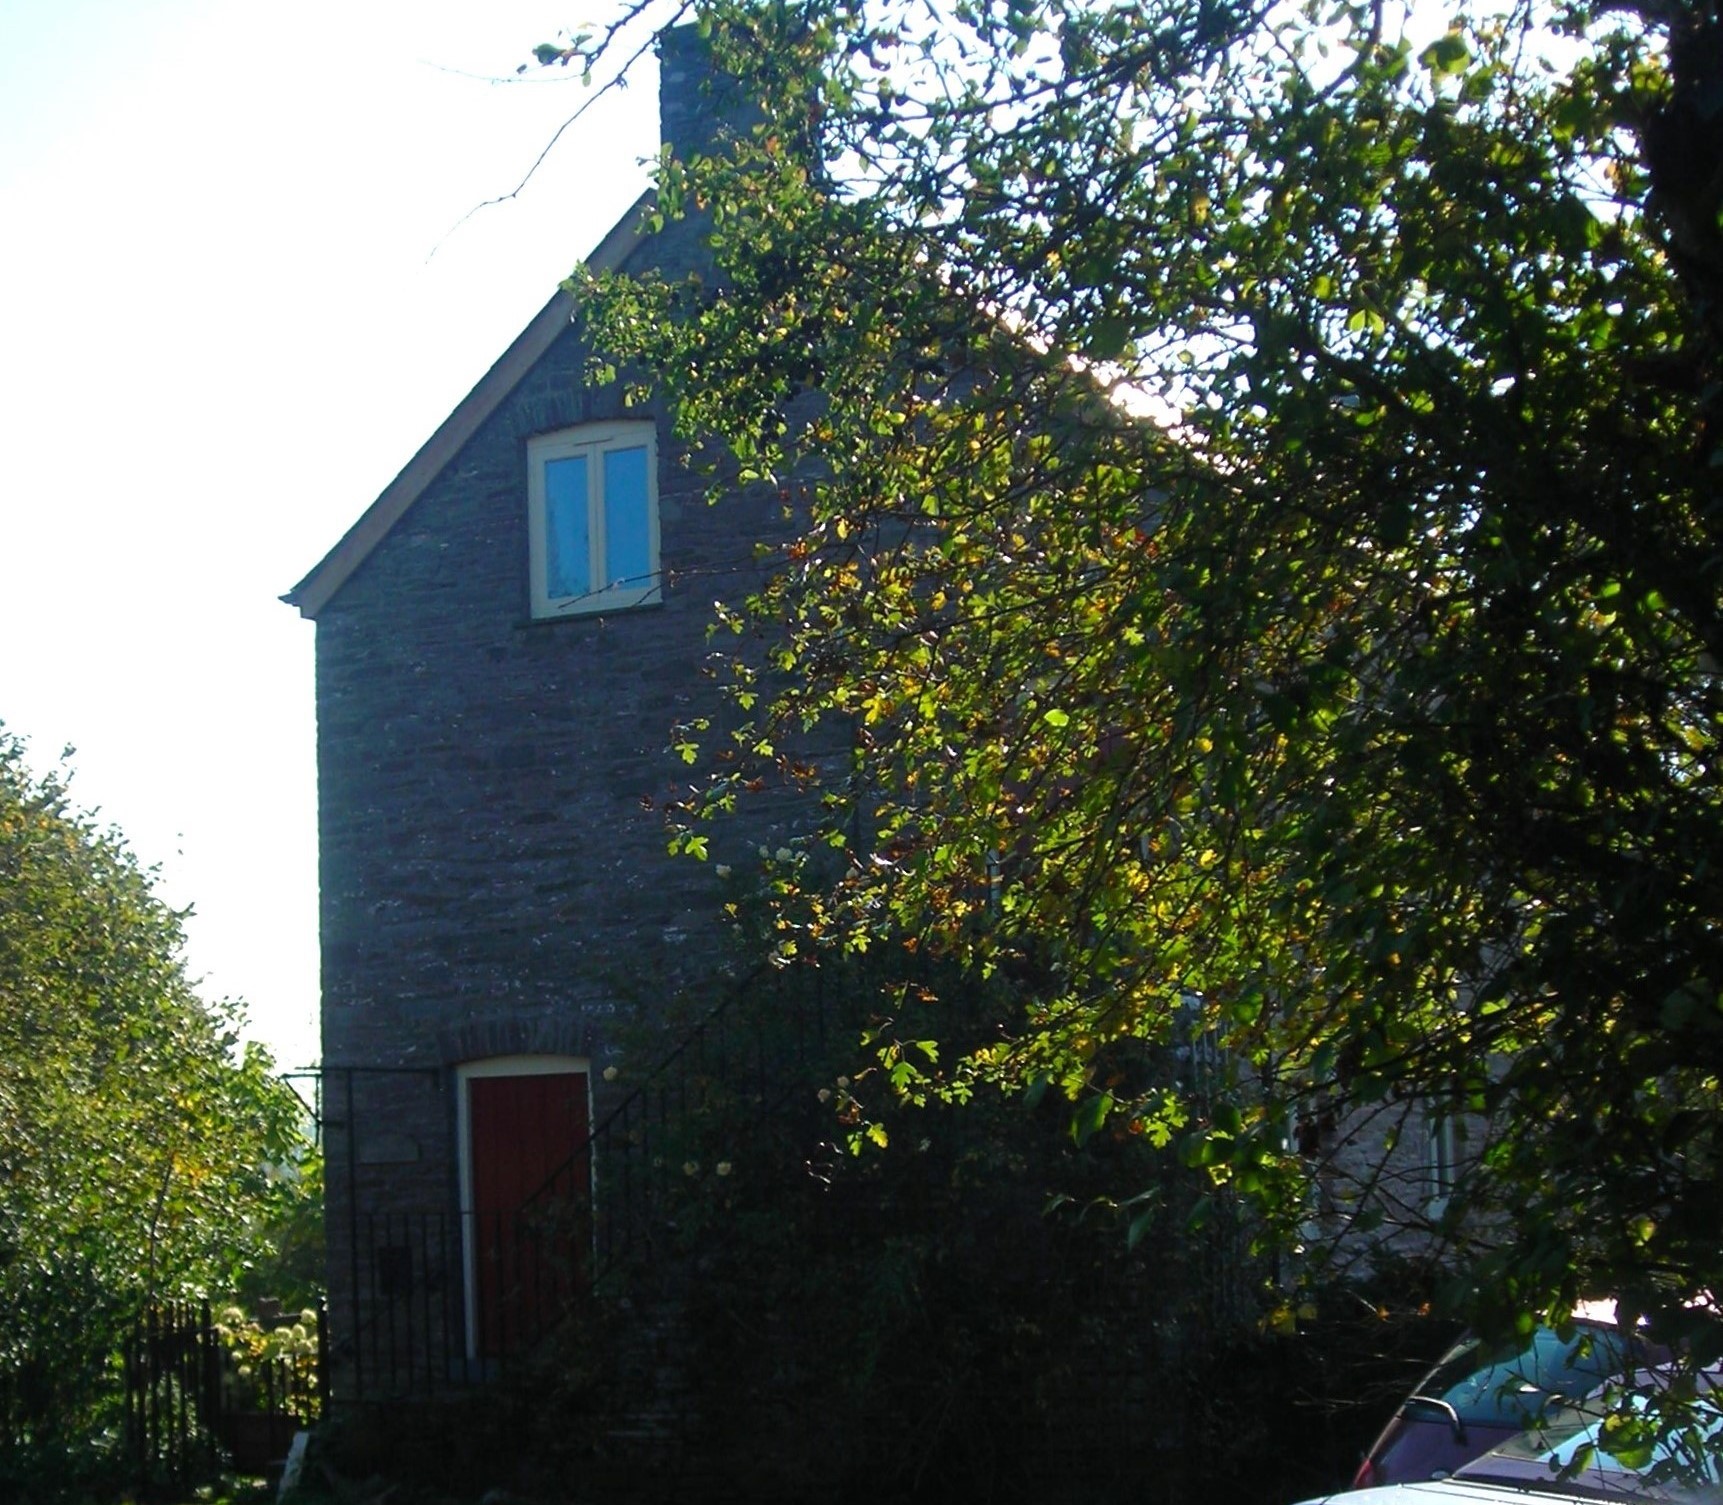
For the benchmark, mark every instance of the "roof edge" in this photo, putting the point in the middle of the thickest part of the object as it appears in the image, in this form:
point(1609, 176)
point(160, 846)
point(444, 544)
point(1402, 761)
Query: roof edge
point(336, 567)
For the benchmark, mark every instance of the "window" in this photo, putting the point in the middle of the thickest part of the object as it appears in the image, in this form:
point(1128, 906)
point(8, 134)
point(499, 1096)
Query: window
point(592, 518)
point(1441, 1156)
point(1508, 1384)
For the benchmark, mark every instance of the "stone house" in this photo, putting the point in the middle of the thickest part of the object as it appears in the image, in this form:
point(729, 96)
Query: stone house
point(505, 640)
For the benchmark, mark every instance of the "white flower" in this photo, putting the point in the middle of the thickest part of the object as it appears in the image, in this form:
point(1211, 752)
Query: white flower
point(724, 1167)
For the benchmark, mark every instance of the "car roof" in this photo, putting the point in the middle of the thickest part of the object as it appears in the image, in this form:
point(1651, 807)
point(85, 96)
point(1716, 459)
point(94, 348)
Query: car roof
point(1446, 1492)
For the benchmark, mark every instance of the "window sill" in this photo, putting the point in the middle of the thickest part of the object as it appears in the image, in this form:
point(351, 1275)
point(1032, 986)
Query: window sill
point(600, 615)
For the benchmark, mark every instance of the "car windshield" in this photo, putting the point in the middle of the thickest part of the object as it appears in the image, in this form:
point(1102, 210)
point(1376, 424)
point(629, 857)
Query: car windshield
point(1569, 1452)
point(1508, 1385)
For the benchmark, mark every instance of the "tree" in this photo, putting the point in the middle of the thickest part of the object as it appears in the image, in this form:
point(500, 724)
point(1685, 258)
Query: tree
point(140, 1146)
point(1260, 518)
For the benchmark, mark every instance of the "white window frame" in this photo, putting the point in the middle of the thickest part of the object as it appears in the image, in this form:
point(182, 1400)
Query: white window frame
point(494, 1066)
point(1442, 1137)
point(590, 442)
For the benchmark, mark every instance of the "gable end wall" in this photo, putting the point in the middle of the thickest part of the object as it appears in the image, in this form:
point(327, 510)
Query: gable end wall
point(493, 863)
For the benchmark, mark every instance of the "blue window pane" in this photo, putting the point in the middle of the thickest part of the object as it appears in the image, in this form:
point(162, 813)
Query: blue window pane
point(567, 550)
point(627, 520)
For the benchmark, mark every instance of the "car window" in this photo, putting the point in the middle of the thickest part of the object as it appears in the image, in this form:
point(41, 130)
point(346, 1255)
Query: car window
point(1576, 1434)
point(1508, 1385)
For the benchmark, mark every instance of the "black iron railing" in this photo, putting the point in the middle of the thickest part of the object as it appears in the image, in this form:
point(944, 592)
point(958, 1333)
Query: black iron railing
point(762, 1043)
point(173, 1388)
point(440, 1301)
point(194, 1406)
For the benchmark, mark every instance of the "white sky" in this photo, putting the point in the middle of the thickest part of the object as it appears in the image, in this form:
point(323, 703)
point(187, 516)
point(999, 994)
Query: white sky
point(234, 300)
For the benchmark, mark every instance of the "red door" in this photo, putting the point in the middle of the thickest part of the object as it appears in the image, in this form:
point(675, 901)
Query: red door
point(531, 1189)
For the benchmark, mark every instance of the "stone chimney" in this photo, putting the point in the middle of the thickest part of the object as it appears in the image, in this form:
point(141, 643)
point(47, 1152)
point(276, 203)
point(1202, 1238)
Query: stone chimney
point(698, 106)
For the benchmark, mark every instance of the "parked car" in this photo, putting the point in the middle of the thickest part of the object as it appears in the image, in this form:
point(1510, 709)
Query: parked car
point(1530, 1464)
point(1480, 1394)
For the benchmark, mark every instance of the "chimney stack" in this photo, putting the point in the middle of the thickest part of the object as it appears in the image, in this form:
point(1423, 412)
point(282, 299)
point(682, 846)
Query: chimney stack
point(698, 106)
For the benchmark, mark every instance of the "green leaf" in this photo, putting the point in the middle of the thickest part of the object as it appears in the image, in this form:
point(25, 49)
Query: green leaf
point(1091, 1114)
point(1109, 337)
point(1448, 54)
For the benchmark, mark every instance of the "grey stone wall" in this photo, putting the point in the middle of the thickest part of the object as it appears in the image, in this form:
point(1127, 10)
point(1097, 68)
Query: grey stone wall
point(491, 788)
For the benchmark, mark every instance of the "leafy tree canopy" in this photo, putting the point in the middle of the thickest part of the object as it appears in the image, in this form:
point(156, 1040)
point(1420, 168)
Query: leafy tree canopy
point(140, 1147)
point(1260, 521)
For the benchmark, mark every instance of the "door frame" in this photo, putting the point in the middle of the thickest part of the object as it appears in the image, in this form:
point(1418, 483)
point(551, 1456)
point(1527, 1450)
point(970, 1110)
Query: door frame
point(465, 1073)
